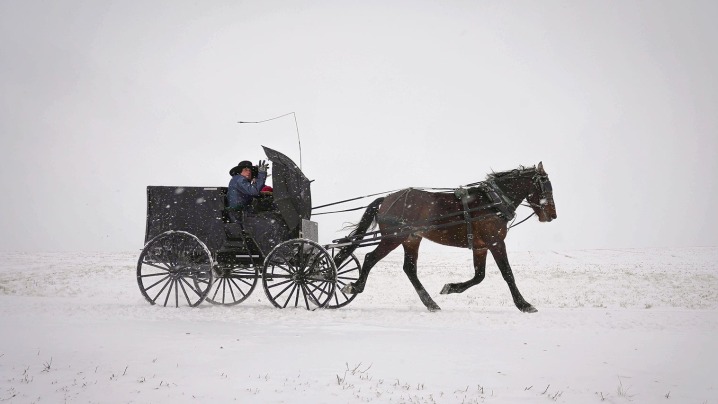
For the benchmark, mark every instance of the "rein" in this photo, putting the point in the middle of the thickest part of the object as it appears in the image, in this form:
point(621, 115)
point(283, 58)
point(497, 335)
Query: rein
point(368, 196)
point(340, 211)
point(349, 200)
point(516, 224)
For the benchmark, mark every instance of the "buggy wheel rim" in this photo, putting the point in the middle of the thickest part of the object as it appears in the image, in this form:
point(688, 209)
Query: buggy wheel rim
point(299, 273)
point(175, 269)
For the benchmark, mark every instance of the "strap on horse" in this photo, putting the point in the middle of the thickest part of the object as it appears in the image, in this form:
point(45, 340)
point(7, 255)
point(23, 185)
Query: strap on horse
point(463, 195)
point(496, 195)
point(497, 198)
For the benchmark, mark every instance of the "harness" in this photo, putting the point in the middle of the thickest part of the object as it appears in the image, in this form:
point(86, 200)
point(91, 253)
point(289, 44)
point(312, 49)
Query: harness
point(497, 198)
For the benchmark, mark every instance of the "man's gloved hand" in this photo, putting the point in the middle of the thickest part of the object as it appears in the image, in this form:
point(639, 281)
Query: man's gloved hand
point(262, 167)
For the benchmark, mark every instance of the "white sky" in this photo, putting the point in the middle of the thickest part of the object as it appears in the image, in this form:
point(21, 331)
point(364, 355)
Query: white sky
point(618, 98)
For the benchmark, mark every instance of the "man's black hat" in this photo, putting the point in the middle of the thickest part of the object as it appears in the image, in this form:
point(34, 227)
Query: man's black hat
point(242, 164)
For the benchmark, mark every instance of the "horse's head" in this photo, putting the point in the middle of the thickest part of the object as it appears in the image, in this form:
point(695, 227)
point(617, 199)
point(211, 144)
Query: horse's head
point(541, 196)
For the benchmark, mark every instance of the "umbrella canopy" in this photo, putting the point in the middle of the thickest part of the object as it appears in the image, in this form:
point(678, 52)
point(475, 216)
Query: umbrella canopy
point(291, 189)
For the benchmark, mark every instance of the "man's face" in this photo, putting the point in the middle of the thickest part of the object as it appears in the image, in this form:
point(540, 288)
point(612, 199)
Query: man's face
point(246, 173)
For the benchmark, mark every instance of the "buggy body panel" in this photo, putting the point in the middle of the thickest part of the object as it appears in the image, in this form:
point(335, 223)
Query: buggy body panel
point(196, 210)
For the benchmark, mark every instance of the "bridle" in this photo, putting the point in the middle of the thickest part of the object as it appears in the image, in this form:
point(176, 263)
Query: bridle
point(543, 184)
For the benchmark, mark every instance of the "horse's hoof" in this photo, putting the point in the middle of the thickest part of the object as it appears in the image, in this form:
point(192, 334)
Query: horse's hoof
point(528, 309)
point(352, 289)
point(434, 308)
point(446, 289)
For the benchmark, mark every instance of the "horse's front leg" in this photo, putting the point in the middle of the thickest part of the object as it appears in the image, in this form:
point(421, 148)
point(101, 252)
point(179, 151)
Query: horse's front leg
point(498, 250)
point(479, 274)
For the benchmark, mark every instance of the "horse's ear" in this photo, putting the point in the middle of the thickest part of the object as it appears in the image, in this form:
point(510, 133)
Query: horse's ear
point(540, 168)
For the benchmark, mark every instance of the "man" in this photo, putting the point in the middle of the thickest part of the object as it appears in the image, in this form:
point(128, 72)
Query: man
point(263, 223)
point(243, 187)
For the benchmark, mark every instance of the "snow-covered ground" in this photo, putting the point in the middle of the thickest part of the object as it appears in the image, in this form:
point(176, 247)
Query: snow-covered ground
point(613, 325)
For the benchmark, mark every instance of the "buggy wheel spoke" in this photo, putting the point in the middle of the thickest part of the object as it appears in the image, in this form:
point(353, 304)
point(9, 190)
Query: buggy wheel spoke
point(167, 268)
point(340, 291)
point(192, 288)
point(216, 290)
point(294, 289)
point(316, 293)
point(323, 289)
point(224, 290)
point(285, 289)
point(289, 269)
point(155, 274)
point(176, 294)
point(351, 276)
point(297, 289)
point(234, 280)
point(168, 281)
point(184, 292)
point(343, 279)
point(231, 289)
point(305, 292)
point(169, 291)
point(156, 283)
point(236, 286)
point(349, 271)
point(284, 282)
point(200, 281)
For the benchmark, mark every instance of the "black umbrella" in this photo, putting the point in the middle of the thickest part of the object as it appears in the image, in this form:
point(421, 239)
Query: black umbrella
point(291, 189)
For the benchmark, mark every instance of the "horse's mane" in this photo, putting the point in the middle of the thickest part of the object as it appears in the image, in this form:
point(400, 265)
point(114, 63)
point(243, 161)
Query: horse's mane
point(516, 172)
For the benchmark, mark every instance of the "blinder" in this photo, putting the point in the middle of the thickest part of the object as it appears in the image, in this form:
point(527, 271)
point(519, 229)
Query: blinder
point(543, 183)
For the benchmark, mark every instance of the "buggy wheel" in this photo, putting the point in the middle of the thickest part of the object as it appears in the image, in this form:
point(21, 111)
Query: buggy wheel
point(299, 272)
point(233, 283)
point(175, 268)
point(348, 271)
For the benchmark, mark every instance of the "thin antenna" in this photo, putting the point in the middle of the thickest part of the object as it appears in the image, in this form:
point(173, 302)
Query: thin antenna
point(296, 125)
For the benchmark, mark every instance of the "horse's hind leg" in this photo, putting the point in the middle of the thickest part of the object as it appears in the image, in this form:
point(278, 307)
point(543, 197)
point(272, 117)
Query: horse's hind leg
point(411, 254)
point(479, 274)
point(386, 246)
point(498, 250)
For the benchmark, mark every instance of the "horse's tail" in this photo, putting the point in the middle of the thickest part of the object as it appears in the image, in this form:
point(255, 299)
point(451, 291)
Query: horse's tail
point(360, 229)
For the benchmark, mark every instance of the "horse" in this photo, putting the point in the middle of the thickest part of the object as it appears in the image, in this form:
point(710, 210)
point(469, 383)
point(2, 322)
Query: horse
point(407, 216)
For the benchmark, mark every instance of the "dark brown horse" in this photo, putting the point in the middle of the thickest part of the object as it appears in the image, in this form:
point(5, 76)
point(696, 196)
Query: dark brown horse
point(475, 218)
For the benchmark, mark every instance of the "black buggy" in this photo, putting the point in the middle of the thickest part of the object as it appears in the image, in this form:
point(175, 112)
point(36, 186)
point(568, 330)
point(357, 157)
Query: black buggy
point(193, 252)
